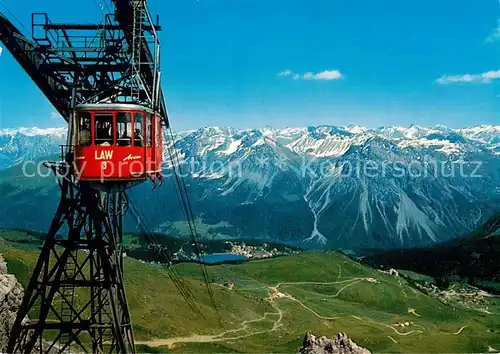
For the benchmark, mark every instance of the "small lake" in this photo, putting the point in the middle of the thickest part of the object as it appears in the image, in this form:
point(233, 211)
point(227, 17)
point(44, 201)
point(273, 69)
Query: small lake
point(215, 258)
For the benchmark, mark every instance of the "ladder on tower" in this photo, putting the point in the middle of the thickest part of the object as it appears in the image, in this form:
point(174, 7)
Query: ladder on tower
point(138, 38)
point(144, 36)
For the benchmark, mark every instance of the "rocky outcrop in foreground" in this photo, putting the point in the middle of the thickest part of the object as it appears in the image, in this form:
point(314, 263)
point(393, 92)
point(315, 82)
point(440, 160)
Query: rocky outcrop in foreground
point(11, 296)
point(341, 344)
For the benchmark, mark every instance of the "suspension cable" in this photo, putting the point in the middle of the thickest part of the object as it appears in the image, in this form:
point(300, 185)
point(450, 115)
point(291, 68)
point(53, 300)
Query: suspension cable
point(14, 16)
point(165, 258)
point(188, 212)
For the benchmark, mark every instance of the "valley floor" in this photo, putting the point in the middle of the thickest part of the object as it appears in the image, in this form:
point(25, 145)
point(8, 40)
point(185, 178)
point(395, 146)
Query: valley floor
point(274, 302)
point(411, 323)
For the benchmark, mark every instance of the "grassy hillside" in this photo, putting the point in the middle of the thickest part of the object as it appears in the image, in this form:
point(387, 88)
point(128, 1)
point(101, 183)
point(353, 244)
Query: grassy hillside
point(275, 302)
point(473, 258)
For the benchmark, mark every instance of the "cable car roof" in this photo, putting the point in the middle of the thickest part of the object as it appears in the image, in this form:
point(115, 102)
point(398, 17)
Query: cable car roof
point(113, 107)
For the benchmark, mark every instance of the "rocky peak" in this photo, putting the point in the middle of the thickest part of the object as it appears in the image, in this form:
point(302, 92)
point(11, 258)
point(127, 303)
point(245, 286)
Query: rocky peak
point(11, 296)
point(340, 344)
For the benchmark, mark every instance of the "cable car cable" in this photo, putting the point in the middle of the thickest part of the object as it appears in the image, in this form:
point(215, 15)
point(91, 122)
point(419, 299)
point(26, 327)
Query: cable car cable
point(174, 276)
point(14, 16)
point(181, 286)
point(184, 199)
point(175, 160)
point(153, 241)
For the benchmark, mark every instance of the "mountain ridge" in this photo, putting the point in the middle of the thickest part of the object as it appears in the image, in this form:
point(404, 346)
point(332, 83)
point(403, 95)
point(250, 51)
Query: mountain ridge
point(471, 258)
point(324, 186)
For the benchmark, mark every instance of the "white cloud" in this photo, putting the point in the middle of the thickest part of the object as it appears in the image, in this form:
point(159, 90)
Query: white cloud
point(484, 78)
point(285, 73)
point(1, 50)
point(495, 34)
point(323, 75)
point(327, 75)
point(308, 76)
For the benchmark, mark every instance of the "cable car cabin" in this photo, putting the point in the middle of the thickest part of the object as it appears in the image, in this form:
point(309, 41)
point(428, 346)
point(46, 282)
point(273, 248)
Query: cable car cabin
point(117, 143)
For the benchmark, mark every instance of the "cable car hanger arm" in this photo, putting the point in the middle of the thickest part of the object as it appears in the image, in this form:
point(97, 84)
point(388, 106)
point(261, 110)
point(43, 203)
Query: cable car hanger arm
point(30, 56)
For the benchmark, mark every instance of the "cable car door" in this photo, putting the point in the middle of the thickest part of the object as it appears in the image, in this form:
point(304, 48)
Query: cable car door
point(150, 156)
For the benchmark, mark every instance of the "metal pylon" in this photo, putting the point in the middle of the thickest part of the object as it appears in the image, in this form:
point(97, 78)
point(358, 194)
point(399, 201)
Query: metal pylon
point(139, 7)
point(75, 300)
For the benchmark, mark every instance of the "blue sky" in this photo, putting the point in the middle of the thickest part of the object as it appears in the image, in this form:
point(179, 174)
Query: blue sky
point(249, 63)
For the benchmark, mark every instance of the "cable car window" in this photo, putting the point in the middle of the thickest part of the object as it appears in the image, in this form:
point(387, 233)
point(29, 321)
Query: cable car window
point(123, 129)
point(103, 130)
point(158, 130)
point(83, 131)
point(149, 131)
point(138, 129)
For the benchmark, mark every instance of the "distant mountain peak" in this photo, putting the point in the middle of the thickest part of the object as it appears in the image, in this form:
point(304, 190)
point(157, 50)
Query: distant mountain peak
point(308, 184)
point(34, 131)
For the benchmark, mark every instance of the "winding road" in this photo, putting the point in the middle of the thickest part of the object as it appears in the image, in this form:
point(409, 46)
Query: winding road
point(274, 294)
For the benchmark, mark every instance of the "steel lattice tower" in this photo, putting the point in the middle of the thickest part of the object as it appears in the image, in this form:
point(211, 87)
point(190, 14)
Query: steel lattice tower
point(77, 285)
point(75, 299)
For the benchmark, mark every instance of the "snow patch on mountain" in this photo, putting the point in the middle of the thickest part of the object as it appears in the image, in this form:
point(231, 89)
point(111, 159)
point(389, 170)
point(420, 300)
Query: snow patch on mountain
point(34, 131)
point(444, 146)
point(325, 145)
point(275, 168)
point(356, 129)
point(487, 134)
point(365, 209)
point(317, 208)
point(233, 147)
point(410, 216)
point(411, 132)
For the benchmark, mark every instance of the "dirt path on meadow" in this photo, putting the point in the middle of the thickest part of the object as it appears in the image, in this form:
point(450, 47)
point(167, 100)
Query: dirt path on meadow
point(274, 294)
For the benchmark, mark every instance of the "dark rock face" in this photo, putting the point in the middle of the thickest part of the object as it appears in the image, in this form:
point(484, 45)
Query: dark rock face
point(11, 296)
point(341, 344)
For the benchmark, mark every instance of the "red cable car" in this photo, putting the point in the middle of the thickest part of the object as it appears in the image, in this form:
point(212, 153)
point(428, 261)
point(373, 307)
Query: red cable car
point(117, 143)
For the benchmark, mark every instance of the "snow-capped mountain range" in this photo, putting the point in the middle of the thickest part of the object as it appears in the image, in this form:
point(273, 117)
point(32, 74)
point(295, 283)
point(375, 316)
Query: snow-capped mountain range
point(329, 186)
point(18, 145)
